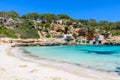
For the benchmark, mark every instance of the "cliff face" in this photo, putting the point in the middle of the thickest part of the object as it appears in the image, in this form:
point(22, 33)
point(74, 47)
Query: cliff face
point(34, 42)
point(26, 28)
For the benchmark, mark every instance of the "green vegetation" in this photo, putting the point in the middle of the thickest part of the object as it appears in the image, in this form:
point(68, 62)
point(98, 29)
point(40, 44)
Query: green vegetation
point(63, 16)
point(10, 14)
point(26, 32)
point(7, 32)
point(26, 26)
point(116, 32)
point(48, 36)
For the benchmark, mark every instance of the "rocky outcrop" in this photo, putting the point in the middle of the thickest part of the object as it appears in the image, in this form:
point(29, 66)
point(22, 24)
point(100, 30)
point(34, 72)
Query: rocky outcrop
point(113, 40)
point(34, 42)
point(54, 41)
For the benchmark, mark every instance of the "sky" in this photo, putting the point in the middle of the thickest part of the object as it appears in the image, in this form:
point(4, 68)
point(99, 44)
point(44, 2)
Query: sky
point(77, 9)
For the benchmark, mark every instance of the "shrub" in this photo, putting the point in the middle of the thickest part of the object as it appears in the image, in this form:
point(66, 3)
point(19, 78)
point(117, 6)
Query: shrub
point(116, 33)
point(48, 36)
point(7, 32)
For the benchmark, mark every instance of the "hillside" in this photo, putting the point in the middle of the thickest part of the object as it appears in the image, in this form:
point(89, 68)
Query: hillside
point(34, 25)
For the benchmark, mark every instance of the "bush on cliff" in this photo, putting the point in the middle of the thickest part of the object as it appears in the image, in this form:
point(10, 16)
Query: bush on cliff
point(7, 32)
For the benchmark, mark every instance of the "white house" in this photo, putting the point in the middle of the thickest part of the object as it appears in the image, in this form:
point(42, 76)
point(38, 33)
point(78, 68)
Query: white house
point(59, 21)
point(67, 35)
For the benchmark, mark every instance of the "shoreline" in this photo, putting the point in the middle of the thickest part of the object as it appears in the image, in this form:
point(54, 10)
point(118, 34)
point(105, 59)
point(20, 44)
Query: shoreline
point(68, 67)
point(49, 42)
point(83, 73)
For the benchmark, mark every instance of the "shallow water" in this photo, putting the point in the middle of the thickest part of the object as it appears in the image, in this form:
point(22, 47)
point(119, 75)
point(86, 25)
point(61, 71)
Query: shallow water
point(103, 58)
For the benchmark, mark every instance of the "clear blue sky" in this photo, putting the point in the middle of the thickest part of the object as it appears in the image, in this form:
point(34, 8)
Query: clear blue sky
point(78, 9)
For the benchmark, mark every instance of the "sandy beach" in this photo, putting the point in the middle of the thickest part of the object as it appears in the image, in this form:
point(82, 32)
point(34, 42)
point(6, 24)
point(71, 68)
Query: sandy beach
point(14, 68)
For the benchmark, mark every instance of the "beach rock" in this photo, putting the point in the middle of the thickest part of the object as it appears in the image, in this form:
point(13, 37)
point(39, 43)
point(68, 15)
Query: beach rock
point(35, 42)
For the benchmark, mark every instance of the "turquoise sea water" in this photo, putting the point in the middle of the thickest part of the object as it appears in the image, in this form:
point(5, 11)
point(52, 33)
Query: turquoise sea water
point(104, 58)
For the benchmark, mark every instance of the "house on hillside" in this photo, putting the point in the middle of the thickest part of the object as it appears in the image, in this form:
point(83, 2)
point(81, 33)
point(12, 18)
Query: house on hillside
point(68, 37)
point(98, 39)
point(59, 21)
point(38, 20)
point(62, 21)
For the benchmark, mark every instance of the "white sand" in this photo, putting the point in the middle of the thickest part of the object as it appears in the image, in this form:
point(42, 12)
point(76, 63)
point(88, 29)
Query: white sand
point(13, 68)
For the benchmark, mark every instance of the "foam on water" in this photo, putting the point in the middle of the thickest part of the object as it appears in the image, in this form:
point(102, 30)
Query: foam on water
point(104, 58)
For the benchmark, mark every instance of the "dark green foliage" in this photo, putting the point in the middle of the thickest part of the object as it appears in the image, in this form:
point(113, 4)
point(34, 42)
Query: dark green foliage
point(47, 17)
point(84, 22)
point(9, 14)
point(75, 25)
point(26, 30)
point(116, 32)
point(66, 29)
point(82, 32)
point(104, 22)
point(13, 14)
point(59, 30)
point(32, 16)
point(93, 24)
point(63, 16)
point(23, 31)
point(117, 25)
point(48, 36)
point(75, 36)
point(47, 25)
point(4, 32)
